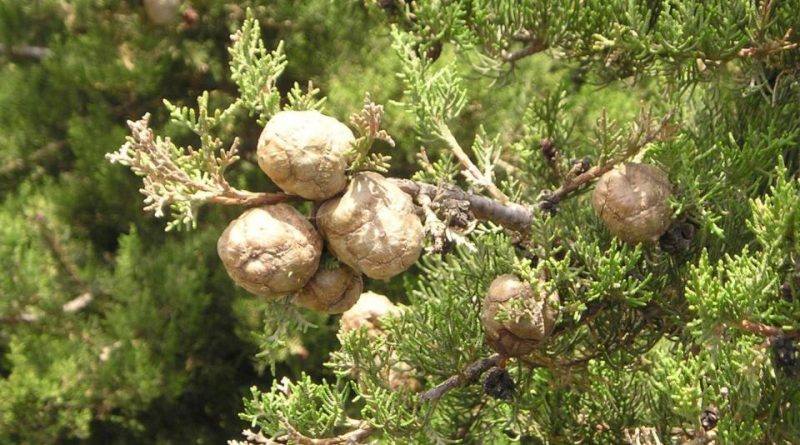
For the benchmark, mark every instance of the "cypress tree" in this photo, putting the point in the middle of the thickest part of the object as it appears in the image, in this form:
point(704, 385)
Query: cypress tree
point(608, 193)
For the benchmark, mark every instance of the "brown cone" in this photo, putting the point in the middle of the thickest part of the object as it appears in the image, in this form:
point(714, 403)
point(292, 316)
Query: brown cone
point(513, 338)
point(332, 291)
point(373, 227)
point(305, 153)
point(271, 251)
point(633, 202)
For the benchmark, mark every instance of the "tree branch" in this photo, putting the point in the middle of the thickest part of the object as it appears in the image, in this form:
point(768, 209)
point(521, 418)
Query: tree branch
point(471, 169)
point(647, 133)
point(762, 329)
point(510, 215)
point(517, 217)
point(362, 431)
point(469, 376)
point(536, 46)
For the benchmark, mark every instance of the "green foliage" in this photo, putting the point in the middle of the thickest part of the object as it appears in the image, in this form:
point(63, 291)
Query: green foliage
point(368, 127)
point(158, 354)
point(714, 291)
point(433, 98)
point(256, 71)
point(282, 323)
point(317, 407)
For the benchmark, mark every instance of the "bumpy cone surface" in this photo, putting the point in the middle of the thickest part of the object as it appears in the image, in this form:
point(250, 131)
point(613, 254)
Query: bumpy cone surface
point(332, 291)
point(633, 202)
point(373, 227)
point(305, 153)
point(271, 251)
point(513, 338)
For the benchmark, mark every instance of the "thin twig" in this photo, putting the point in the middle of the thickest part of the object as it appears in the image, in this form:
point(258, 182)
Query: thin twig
point(245, 198)
point(510, 215)
point(762, 329)
point(507, 166)
point(60, 254)
point(536, 46)
point(644, 136)
point(33, 52)
point(471, 170)
point(26, 317)
point(467, 377)
point(580, 180)
point(476, 413)
point(355, 436)
point(78, 303)
point(765, 49)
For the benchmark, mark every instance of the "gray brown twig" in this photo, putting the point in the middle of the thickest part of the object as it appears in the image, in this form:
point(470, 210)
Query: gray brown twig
point(467, 377)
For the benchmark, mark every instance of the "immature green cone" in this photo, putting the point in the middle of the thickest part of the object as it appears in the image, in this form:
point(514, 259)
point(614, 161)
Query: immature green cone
point(270, 251)
point(305, 153)
point(516, 337)
point(332, 291)
point(373, 227)
point(633, 202)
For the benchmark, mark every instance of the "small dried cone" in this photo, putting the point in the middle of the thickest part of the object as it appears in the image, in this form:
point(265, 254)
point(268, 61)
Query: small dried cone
point(367, 313)
point(162, 12)
point(516, 337)
point(306, 153)
point(633, 202)
point(332, 291)
point(270, 251)
point(373, 227)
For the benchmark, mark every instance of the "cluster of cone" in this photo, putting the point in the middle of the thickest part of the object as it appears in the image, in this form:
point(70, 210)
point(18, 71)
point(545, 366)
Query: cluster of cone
point(366, 221)
point(371, 227)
